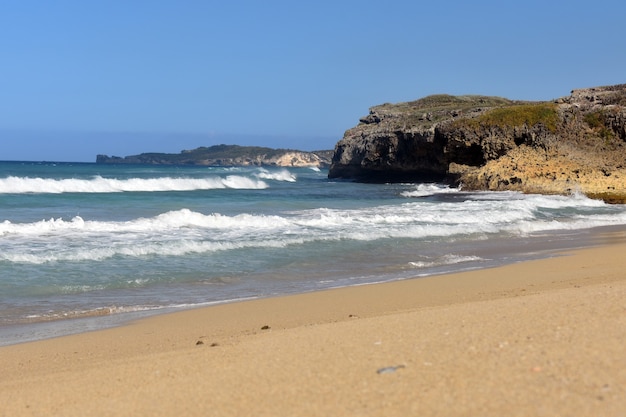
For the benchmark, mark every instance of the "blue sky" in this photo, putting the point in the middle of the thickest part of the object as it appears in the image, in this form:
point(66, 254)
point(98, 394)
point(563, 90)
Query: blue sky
point(79, 78)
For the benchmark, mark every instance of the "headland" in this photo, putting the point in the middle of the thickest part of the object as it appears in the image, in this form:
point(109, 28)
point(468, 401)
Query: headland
point(571, 144)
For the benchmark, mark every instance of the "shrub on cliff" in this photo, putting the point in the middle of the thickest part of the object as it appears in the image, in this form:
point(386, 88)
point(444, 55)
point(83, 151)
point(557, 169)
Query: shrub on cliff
point(518, 115)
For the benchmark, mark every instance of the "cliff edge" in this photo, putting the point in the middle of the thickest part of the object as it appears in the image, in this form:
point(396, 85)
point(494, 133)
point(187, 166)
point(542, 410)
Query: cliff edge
point(573, 144)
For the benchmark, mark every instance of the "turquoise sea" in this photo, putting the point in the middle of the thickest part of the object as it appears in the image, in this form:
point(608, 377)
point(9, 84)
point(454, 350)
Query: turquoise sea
point(84, 246)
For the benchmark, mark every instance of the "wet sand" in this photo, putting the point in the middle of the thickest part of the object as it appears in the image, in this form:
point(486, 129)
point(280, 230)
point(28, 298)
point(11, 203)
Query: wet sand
point(543, 337)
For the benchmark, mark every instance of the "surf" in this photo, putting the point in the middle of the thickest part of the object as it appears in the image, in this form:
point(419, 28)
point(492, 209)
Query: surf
point(98, 184)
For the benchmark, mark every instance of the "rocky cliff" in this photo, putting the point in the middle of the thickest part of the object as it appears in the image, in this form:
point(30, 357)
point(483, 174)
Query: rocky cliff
point(227, 155)
point(575, 143)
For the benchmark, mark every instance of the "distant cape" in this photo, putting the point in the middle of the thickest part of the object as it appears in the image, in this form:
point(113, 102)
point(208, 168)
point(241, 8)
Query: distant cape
point(228, 155)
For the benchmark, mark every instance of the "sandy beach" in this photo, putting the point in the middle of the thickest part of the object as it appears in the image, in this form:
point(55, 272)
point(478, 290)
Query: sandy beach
point(543, 338)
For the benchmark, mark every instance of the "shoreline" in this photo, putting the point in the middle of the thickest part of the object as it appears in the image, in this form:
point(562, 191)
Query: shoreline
point(530, 248)
point(541, 337)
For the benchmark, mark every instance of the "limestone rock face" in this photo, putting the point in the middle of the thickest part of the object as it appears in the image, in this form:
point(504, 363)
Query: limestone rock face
point(575, 143)
point(297, 159)
point(401, 141)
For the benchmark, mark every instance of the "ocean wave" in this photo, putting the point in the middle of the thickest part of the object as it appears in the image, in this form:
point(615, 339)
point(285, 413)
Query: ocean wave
point(448, 259)
point(186, 232)
point(425, 190)
point(282, 175)
point(24, 185)
point(131, 247)
point(511, 214)
point(183, 219)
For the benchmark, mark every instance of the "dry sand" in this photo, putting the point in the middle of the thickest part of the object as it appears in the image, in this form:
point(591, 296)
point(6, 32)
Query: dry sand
point(538, 338)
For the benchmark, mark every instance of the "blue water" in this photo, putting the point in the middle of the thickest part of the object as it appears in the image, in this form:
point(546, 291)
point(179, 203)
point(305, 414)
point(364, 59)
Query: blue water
point(91, 241)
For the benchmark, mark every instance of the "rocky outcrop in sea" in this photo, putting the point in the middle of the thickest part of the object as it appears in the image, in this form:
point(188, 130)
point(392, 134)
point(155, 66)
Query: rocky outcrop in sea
point(572, 144)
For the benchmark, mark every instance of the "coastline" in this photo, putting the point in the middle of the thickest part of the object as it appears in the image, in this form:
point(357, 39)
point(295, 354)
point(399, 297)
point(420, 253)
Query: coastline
point(487, 256)
point(543, 336)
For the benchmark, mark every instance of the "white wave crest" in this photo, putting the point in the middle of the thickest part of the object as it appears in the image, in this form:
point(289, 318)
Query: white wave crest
point(449, 259)
point(22, 185)
point(183, 219)
point(282, 175)
point(136, 249)
point(424, 190)
point(42, 227)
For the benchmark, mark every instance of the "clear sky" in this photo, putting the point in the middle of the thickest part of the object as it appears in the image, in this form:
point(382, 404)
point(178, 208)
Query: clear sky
point(120, 77)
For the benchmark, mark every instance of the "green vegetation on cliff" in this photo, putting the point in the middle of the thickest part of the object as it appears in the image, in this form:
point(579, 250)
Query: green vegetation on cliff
point(432, 109)
point(449, 102)
point(231, 151)
point(520, 115)
point(598, 122)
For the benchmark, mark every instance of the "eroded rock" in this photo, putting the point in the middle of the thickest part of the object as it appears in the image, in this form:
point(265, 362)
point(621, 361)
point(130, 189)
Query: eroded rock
point(575, 143)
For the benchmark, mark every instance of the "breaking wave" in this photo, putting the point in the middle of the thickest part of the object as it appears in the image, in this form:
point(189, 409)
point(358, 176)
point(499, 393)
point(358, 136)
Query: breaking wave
point(282, 175)
point(23, 185)
point(425, 190)
point(184, 232)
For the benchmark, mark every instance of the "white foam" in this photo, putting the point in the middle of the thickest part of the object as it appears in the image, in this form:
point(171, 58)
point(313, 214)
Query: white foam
point(22, 185)
point(424, 190)
point(449, 259)
point(136, 249)
point(282, 175)
point(114, 309)
point(183, 232)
